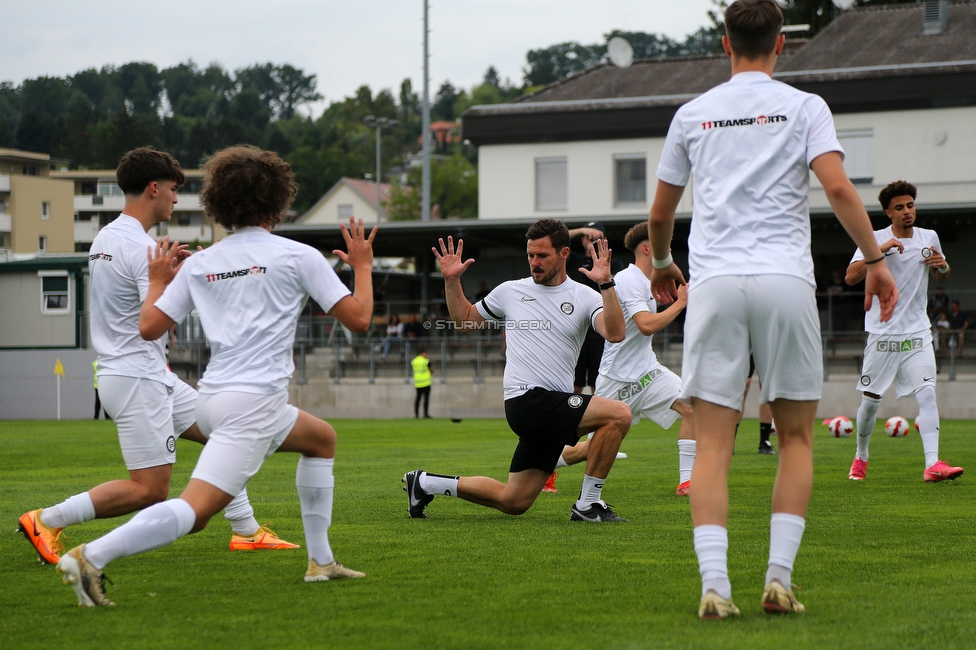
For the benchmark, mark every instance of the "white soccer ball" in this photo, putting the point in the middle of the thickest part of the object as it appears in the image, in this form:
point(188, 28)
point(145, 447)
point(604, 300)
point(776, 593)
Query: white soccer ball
point(897, 427)
point(841, 426)
point(916, 424)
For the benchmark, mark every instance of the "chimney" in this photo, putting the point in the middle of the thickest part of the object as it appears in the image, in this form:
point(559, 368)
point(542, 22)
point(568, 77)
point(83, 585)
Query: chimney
point(935, 16)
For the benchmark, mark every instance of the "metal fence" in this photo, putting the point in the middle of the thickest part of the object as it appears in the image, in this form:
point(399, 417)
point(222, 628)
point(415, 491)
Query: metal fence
point(323, 348)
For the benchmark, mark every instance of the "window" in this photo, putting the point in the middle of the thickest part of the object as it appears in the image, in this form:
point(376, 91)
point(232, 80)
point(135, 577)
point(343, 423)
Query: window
point(30, 170)
point(345, 211)
point(630, 179)
point(858, 155)
point(54, 292)
point(109, 188)
point(183, 218)
point(551, 188)
point(45, 210)
point(42, 244)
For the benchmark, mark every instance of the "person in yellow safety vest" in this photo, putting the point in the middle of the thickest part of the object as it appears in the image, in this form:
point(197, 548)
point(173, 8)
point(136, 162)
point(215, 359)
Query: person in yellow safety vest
point(421, 381)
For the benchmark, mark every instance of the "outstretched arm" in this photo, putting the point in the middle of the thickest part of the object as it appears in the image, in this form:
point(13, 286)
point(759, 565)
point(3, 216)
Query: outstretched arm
point(610, 322)
point(356, 311)
point(463, 313)
point(649, 323)
point(165, 261)
point(660, 225)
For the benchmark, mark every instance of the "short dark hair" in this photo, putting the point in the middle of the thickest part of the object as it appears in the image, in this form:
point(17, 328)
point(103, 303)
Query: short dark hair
point(636, 236)
point(246, 186)
point(897, 188)
point(140, 167)
point(753, 27)
point(554, 229)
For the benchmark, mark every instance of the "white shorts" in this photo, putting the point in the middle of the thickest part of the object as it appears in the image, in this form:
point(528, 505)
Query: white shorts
point(907, 360)
point(149, 415)
point(774, 315)
point(651, 395)
point(243, 429)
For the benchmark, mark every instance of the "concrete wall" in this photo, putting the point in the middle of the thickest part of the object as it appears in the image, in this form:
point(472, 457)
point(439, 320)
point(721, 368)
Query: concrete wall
point(328, 211)
point(934, 149)
point(22, 323)
point(27, 193)
point(28, 386)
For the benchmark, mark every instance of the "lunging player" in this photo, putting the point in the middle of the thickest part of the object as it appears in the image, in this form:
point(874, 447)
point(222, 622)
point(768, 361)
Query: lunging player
point(749, 144)
point(151, 407)
point(900, 350)
point(546, 318)
point(248, 292)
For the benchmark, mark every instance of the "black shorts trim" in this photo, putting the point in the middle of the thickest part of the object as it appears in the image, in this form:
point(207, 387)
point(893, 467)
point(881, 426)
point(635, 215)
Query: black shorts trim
point(545, 421)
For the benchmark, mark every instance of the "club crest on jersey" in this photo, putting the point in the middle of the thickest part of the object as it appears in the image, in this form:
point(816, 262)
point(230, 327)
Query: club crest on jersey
point(566, 308)
point(171, 444)
point(575, 401)
point(926, 252)
point(254, 270)
point(865, 380)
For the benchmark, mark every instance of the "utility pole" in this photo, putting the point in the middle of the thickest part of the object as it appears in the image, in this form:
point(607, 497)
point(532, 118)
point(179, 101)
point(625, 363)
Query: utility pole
point(425, 204)
point(379, 123)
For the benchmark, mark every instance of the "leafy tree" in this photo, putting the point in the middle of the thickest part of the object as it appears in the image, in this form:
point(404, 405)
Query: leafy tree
point(453, 192)
point(9, 114)
point(443, 105)
point(560, 61)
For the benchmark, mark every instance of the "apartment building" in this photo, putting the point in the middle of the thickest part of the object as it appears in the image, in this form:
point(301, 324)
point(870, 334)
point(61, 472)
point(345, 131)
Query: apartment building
point(35, 208)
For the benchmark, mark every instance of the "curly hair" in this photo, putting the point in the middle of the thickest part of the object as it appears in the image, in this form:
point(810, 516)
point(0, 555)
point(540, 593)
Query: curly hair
point(140, 167)
point(555, 230)
point(636, 236)
point(246, 186)
point(897, 188)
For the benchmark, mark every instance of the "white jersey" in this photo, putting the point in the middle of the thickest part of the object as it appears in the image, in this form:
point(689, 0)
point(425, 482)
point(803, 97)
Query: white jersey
point(748, 145)
point(118, 267)
point(544, 331)
point(633, 357)
point(912, 279)
point(249, 291)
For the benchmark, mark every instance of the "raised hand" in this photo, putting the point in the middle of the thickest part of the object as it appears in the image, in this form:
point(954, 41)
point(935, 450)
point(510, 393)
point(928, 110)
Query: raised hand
point(451, 264)
point(358, 245)
point(665, 283)
point(165, 260)
point(601, 253)
point(892, 243)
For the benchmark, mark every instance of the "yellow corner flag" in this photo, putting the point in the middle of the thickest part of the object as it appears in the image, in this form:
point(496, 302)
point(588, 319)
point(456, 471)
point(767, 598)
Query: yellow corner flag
point(58, 368)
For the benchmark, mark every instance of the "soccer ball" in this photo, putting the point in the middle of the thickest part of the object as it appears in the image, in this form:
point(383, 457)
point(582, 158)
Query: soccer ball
point(896, 427)
point(916, 424)
point(841, 426)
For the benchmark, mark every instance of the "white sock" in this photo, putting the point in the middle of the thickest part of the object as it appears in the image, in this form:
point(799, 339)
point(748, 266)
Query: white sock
point(712, 548)
point(928, 424)
point(315, 483)
point(439, 484)
point(561, 462)
point(152, 528)
point(73, 510)
point(240, 514)
point(865, 425)
point(785, 534)
point(590, 492)
point(686, 459)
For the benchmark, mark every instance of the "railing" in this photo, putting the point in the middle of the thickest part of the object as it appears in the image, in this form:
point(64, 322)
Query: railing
point(324, 349)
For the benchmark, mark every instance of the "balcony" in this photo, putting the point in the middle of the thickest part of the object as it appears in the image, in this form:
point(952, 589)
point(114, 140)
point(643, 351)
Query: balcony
point(85, 231)
point(4, 182)
point(5, 223)
point(94, 203)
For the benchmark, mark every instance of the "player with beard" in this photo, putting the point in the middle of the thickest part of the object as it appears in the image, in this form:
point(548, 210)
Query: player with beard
point(545, 318)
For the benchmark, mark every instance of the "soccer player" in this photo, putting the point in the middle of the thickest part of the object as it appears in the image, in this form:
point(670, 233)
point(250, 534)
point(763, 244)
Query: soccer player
point(545, 318)
point(151, 407)
point(900, 350)
point(248, 291)
point(630, 371)
point(749, 144)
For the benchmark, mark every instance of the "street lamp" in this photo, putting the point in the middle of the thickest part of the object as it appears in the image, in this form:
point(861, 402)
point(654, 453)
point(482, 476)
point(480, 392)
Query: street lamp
point(379, 123)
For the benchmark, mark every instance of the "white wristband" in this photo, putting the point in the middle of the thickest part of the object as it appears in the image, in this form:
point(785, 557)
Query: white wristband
point(943, 269)
point(663, 264)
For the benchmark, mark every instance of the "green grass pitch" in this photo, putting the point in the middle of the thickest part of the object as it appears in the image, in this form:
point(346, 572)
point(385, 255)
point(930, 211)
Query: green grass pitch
point(887, 563)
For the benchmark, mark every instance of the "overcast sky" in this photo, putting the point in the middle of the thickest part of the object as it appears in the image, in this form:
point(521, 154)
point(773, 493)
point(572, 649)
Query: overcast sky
point(345, 43)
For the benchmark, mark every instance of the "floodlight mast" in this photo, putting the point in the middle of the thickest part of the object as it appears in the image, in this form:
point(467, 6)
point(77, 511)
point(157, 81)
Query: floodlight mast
point(425, 187)
point(379, 123)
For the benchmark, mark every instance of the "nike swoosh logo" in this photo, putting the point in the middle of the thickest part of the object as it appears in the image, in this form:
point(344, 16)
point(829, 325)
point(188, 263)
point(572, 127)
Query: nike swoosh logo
point(927, 378)
point(524, 299)
point(585, 518)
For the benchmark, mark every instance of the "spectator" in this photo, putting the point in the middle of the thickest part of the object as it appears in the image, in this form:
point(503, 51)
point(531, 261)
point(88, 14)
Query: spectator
point(938, 303)
point(394, 332)
point(941, 329)
point(958, 324)
point(413, 329)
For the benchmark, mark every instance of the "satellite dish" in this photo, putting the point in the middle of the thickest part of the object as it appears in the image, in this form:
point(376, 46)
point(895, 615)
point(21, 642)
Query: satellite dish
point(843, 5)
point(620, 52)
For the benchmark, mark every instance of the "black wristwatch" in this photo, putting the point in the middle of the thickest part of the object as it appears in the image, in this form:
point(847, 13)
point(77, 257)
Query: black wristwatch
point(607, 285)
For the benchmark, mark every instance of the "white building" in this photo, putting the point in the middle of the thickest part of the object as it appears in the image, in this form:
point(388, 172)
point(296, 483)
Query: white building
point(903, 95)
point(348, 197)
point(99, 200)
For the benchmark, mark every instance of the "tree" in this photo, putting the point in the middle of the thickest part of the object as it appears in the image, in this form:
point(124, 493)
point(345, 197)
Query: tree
point(9, 114)
point(453, 192)
point(443, 107)
point(560, 61)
